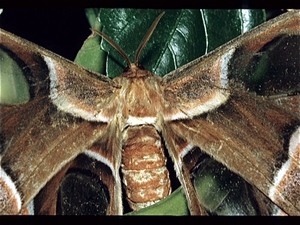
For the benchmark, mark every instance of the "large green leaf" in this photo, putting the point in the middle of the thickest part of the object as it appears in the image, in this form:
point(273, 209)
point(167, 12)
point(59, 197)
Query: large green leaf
point(180, 37)
point(173, 43)
point(223, 25)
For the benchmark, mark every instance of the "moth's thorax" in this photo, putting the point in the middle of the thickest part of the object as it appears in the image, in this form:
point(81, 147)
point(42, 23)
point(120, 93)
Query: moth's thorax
point(140, 97)
point(145, 176)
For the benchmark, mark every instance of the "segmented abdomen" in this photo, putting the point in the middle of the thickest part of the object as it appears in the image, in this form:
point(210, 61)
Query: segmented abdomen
point(145, 176)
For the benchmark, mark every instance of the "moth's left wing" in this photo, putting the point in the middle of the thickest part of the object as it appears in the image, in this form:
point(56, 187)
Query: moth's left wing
point(207, 104)
point(40, 137)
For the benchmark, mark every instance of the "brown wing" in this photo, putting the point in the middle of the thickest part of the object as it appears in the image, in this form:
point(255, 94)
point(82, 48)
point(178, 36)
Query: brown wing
point(253, 138)
point(41, 136)
point(93, 101)
point(77, 189)
point(207, 105)
point(205, 83)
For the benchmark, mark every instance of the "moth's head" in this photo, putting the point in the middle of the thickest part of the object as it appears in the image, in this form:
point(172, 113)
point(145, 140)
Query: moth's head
point(135, 65)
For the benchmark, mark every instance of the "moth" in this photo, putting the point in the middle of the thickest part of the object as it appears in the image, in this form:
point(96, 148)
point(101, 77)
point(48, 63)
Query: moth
point(77, 119)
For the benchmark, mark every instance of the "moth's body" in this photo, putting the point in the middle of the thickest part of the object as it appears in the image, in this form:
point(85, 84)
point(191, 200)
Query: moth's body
point(145, 176)
point(121, 122)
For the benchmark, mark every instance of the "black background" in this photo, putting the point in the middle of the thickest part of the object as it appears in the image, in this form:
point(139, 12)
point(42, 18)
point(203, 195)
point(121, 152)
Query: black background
point(62, 31)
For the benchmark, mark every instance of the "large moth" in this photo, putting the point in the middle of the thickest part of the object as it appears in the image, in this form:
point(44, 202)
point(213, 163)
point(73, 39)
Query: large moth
point(103, 125)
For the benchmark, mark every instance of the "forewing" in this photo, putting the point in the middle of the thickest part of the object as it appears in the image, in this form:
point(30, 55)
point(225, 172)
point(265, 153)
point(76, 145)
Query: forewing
point(208, 105)
point(39, 137)
point(206, 83)
point(94, 101)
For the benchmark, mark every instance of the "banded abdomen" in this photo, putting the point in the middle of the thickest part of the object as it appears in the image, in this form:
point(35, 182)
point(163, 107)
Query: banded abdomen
point(145, 176)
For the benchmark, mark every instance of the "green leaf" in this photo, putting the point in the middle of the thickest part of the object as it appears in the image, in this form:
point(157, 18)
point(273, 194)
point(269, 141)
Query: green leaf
point(91, 55)
point(223, 25)
point(14, 88)
point(173, 43)
point(180, 37)
point(221, 191)
point(92, 16)
point(174, 204)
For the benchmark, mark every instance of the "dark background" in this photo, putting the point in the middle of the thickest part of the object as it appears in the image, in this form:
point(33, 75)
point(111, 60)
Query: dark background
point(62, 31)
